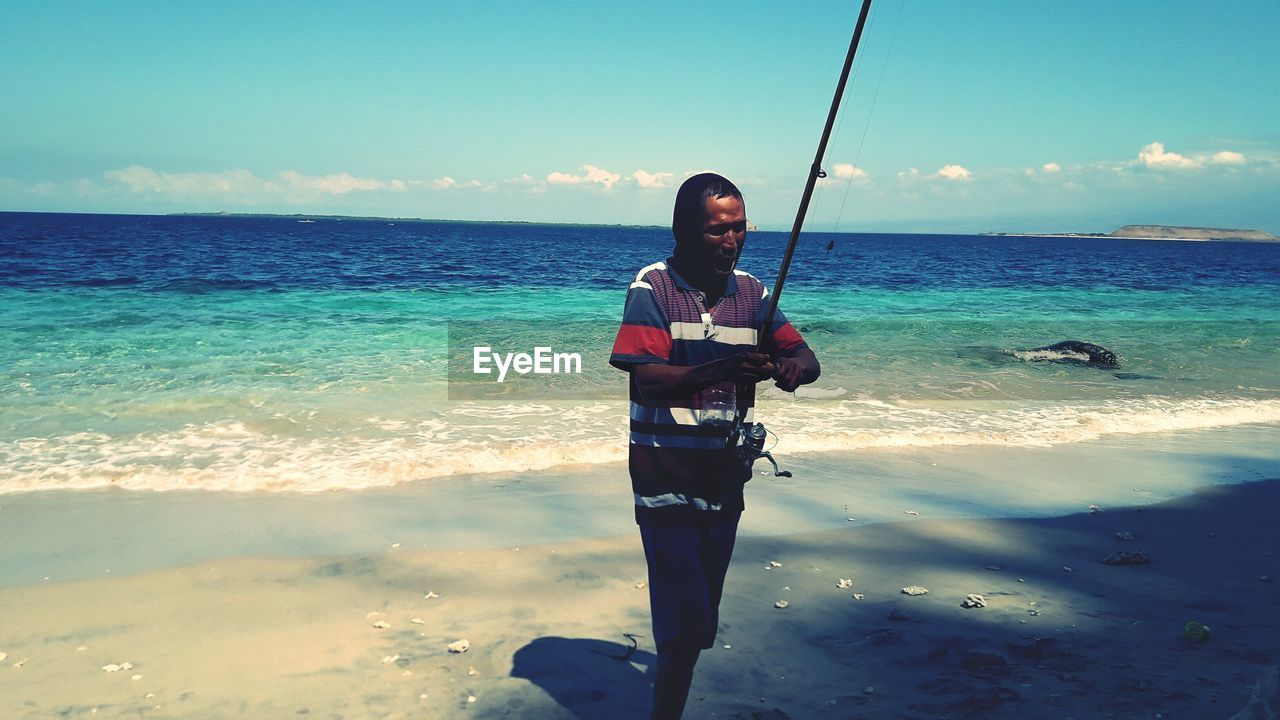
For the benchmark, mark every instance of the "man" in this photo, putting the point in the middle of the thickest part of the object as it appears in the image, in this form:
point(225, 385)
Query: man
point(691, 325)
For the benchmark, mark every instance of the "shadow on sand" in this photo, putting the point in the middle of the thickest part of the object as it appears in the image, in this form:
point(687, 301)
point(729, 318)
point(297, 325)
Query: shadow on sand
point(590, 678)
point(1064, 635)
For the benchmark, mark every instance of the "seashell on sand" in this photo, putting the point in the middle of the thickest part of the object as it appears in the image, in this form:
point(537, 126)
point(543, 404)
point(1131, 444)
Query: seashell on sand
point(973, 601)
point(460, 646)
point(914, 590)
point(781, 604)
point(382, 625)
point(845, 583)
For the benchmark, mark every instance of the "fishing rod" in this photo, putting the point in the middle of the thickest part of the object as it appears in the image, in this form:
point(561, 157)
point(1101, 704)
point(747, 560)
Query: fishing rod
point(815, 172)
point(753, 436)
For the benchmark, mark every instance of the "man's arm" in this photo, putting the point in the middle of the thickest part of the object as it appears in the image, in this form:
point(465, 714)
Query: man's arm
point(657, 382)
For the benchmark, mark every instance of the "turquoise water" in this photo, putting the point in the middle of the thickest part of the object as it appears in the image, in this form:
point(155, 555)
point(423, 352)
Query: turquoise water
point(235, 354)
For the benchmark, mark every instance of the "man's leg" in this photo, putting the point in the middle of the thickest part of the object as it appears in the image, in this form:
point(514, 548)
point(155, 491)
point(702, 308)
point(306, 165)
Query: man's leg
point(687, 565)
point(673, 678)
point(718, 532)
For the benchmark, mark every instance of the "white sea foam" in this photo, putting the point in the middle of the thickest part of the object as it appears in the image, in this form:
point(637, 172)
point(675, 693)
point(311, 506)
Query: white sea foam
point(480, 439)
point(847, 427)
point(1049, 355)
point(227, 456)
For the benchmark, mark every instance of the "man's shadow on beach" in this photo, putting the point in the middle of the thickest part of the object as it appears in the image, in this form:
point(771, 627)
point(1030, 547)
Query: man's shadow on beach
point(590, 678)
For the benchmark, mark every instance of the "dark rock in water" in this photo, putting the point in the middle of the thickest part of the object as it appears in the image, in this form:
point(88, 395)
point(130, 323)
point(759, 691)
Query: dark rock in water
point(1264, 704)
point(1136, 376)
point(1085, 353)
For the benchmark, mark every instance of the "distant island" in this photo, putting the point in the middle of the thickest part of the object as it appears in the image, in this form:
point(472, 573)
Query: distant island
point(1165, 232)
point(1168, 232)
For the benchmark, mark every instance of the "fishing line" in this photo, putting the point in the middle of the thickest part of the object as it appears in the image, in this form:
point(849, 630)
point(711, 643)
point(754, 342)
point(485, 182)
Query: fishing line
point(875, 97)
point(835, 136)
point(815, 173)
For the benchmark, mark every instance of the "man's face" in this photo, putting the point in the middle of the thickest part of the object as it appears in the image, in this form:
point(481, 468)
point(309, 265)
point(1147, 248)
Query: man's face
point(724, 230)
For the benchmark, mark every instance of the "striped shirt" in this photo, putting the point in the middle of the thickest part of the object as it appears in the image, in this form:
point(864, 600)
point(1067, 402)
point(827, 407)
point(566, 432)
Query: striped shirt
point(676, 464)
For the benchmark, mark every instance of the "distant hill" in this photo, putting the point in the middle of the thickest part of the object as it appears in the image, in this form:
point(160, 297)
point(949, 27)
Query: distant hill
point(1169, 232)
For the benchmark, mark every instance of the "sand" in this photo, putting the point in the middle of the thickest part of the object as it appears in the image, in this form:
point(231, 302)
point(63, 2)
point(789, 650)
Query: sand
point(344, 605)
point(1062, 634)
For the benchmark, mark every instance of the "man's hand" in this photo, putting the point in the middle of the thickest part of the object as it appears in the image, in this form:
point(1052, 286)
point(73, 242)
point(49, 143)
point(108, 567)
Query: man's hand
point(800, 369)
point(789, 374)
point(748, 368)
point(657, 382)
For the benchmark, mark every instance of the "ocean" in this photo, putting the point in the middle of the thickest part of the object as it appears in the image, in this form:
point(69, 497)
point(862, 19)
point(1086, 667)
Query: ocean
point(270, 354)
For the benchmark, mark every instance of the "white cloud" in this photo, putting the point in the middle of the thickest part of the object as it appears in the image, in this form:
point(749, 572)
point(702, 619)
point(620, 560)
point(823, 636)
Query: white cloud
point(334, 183)
point(653, 180)
point(527, 182)
point(1051, 167)
point(954, 172)
point(242, 183)
point(139, 179)
point(593, 175)
point(604, 177)
point(846, 170)
point(909, 172)
point(1155, 156)
point(559, 178)
point(445, 182)
point(1227, 157)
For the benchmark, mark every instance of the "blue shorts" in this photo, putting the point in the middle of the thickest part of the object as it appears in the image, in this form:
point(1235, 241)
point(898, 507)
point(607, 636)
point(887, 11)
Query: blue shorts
point(687, 564)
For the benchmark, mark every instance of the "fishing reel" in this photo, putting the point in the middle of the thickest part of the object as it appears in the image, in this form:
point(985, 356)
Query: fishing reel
point(751, 447)
point(718, 409)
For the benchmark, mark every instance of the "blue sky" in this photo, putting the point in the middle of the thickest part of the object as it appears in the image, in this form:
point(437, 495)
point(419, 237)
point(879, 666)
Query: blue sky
point(962, 116)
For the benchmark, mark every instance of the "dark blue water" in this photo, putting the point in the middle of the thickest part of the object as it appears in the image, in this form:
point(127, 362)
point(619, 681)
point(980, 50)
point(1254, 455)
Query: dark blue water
point(205, 254)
